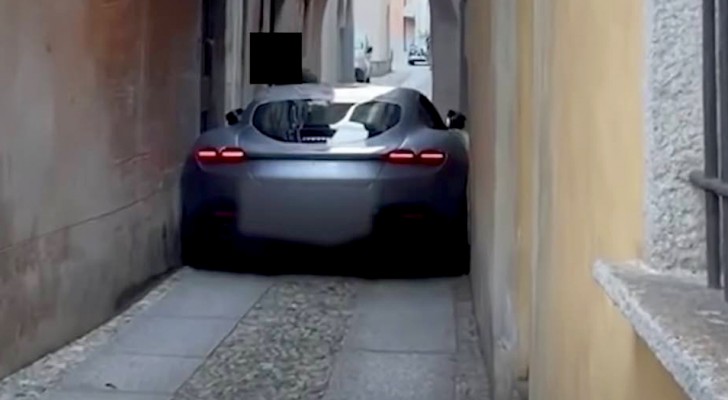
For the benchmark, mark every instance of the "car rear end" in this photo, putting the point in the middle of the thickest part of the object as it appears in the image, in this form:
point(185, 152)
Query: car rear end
point(348, 175)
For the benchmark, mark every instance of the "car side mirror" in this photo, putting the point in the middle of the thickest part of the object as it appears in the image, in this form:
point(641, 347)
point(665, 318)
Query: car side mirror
point(233, 117)
point(455, 120)
point(370, 49)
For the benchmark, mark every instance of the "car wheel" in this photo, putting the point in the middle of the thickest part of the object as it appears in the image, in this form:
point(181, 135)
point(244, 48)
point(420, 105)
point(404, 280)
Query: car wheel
point(193, 251)
point(410, 62)
point(459, 246)
point(200, 251)
point(369, 80)
point(359, 75)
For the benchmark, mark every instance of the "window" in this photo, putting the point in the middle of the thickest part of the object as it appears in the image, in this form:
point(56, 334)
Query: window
point(317, 121)
point(430, 114)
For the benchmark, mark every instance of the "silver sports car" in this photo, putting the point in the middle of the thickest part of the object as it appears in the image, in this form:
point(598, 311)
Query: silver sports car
point(321, 166)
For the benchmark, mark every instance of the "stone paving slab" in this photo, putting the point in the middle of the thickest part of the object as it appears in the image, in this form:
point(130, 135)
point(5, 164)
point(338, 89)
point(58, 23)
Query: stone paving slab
point(57, 395)
point(173, 336)
point(404, 316)
point(365, 375)
point(132, 373)
point(211, 295)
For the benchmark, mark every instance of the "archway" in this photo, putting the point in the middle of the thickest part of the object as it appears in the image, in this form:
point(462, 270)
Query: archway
point(337, 27)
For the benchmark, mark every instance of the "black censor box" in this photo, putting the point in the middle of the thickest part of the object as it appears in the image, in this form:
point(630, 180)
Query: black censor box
point(276, 58)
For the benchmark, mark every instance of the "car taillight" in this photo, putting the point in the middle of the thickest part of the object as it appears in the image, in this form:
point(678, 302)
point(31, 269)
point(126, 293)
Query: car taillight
point(222, 156)
point(409, 157)
point(232, 154)
point(207, 155)
point(402, 157)
point(431, 157)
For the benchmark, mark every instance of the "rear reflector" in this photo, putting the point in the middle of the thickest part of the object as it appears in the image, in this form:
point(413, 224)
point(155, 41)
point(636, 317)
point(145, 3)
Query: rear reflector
point(224, 155)
point(409, 157)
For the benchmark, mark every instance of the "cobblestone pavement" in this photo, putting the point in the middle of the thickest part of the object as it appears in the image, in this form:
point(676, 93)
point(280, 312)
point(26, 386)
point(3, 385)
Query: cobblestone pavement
point(284, 348)
point(206, 335)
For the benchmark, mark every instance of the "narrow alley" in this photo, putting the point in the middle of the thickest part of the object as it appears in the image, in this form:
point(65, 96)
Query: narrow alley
point(565, 166)
point(223, 336)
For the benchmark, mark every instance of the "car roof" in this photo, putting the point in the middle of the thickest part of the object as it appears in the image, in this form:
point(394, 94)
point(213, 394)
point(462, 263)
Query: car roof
point(339, 93)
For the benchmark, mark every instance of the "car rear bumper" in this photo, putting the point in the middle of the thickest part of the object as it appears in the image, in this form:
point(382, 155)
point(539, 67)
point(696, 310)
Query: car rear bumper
point(330, 207)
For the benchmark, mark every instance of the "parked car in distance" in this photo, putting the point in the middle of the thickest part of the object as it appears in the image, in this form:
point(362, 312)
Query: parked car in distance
point(362, 59)
point(417, 55)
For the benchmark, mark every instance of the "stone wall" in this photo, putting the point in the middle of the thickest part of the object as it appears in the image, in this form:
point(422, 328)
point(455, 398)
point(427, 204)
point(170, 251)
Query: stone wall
point(674, 209)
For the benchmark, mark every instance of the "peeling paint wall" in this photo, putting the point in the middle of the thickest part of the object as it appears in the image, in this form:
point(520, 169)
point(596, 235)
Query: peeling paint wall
point(100, 101)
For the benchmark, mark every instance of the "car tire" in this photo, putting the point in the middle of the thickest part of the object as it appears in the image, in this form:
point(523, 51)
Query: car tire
point(369, 80)
point(359, 75)
point(410, 62)
point(197, 251)
point(193, 253)
point(459, 248)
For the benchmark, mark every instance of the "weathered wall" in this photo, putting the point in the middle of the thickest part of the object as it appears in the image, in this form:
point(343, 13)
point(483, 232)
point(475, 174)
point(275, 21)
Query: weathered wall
point(492, 92)
point(591, 184)
point(99, 102)
point(525, 170)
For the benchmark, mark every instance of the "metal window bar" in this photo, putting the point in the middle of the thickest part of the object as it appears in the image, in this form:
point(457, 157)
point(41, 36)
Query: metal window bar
point(714, 179)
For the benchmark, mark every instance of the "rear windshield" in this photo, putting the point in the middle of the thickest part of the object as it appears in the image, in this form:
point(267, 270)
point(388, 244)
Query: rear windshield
point(316, 121)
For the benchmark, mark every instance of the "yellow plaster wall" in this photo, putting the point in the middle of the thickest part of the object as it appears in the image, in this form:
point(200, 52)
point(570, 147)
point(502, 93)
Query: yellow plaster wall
point(591, 174)
point(525, 215)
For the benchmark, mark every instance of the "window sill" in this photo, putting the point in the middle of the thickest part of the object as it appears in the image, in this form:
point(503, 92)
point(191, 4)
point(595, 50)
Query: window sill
point(682, 321)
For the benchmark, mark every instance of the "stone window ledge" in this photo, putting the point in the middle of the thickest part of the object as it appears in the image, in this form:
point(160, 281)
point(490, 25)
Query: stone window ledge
point(681, 320)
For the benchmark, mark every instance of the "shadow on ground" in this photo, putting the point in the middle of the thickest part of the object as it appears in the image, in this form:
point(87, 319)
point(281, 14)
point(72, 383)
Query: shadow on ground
point(419, 261)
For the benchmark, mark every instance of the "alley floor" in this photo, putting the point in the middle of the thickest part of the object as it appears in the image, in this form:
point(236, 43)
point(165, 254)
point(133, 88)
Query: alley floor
point(222, 336)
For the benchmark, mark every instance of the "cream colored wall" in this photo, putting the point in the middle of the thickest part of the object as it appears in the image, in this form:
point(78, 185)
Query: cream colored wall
point(490, 42)
point(370, 18)
point(525, 222)
point(396, 32)
point(330, 43)
point(591, 172)
point(579, 173)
